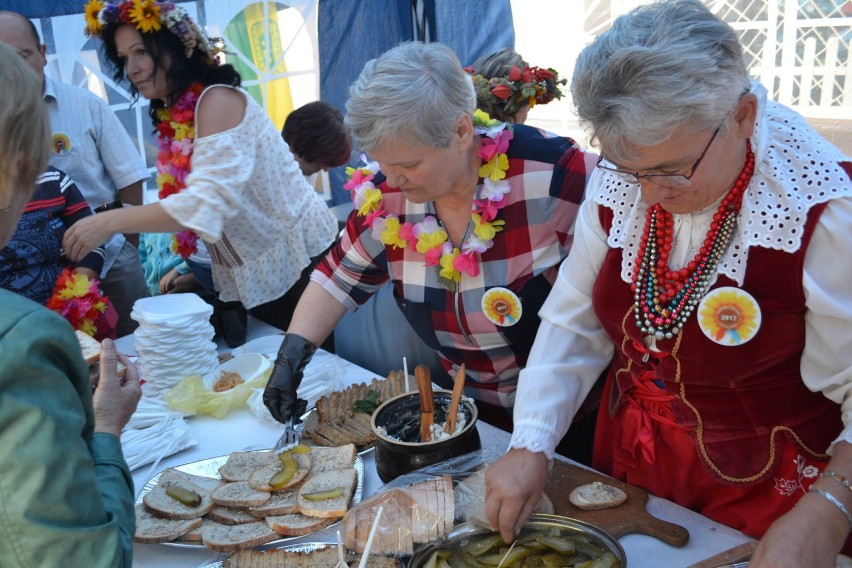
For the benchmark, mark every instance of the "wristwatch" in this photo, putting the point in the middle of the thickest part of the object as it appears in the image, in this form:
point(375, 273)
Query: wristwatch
point(109, 206)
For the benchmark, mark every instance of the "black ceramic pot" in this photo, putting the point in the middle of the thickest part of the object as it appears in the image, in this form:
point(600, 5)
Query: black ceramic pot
point(396, 424)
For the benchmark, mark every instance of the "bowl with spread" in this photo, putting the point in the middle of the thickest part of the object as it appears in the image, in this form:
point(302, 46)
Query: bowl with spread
point(399, 445)
point(234, 372)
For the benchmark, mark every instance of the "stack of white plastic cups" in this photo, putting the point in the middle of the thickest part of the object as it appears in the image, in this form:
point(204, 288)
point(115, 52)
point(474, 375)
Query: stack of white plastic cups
point(174, 340)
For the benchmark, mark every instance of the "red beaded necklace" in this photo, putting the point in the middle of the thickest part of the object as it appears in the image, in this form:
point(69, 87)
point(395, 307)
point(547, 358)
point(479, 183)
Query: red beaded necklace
point(665, 298)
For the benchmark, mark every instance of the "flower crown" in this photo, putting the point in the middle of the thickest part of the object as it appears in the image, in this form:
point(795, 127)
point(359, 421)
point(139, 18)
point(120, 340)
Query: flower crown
point(530, 85)
point(149, 16)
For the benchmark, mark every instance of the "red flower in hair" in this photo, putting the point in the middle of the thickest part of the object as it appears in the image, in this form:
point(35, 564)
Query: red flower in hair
point(501, 91)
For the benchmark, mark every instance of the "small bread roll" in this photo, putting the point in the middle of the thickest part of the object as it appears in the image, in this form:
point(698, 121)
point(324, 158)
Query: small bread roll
point(597, 495)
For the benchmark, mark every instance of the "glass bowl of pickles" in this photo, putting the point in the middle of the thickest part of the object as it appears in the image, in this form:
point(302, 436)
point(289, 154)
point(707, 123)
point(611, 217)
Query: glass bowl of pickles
point(544, 541)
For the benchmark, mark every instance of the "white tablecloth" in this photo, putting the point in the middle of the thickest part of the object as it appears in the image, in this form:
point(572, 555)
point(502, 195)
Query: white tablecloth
point(240, 430)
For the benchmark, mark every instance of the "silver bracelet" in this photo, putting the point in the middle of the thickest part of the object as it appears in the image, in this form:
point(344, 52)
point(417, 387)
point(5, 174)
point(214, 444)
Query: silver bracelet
point(837, 477)
point(834, 501)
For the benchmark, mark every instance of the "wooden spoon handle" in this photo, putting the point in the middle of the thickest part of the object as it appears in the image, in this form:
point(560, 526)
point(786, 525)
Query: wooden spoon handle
point(427, 404)
point(458, 388)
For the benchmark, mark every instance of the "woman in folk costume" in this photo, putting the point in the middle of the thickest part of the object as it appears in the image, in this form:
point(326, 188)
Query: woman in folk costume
point(710, 273)
point(225, 174)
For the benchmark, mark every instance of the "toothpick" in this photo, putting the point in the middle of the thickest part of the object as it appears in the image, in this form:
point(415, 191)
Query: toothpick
point(405, 371)
point(507, 553)
point(340, 555)
point(363, 563)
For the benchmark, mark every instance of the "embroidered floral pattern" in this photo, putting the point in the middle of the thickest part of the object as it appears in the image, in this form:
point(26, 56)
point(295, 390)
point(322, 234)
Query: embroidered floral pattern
point(787, 487)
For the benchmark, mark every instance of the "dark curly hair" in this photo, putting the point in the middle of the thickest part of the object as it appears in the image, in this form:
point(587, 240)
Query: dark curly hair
point(182, 71)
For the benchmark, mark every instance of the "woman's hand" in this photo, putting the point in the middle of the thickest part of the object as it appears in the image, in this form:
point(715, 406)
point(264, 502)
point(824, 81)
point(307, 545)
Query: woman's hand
point(115, 399)
point(513, 487)
point(86, 234)
point(811, 534)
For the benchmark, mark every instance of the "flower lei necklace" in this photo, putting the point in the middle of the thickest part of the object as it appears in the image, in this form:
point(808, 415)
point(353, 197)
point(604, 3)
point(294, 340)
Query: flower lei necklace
point(665, 298)
point(79, 300)
point(176, 138)
point(428, 237)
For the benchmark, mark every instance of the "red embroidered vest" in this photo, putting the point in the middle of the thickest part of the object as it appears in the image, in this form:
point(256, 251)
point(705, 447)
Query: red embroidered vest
point(736, 402)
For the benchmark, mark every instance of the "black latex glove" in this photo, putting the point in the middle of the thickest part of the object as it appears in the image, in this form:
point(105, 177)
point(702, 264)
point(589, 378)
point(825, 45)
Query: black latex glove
point(280, 393)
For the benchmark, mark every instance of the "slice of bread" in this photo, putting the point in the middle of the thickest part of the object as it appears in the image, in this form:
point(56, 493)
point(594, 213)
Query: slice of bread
point(90, 347)
point(450, 501)
point(222, 538)
point(280, 503)
point(194, 536)
point(160, 504)
point(240, 465)
point(394, 531)
point(597, 495)
point(331, 458)
point(153, 530)
point(328, 480)
point(239, 494)
point(260, 478)
point(296, 524)
point(231, 516)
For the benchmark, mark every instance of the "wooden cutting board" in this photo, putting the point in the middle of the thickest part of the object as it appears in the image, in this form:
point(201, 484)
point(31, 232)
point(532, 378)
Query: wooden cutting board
point(628, 518)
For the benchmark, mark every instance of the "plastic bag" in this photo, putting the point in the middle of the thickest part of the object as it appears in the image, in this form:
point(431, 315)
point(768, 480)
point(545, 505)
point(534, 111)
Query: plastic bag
point(322, 376)
point(421, 506)
point(191, 396)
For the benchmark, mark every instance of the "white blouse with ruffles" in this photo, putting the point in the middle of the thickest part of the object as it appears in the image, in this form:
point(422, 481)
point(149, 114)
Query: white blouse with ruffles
point(572, 349)
point(248, 200)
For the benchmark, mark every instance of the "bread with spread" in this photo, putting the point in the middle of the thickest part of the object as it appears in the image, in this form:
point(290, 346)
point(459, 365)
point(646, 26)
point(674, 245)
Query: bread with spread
point(231, 515)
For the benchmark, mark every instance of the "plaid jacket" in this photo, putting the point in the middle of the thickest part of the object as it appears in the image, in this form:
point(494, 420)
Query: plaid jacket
point(548, 177)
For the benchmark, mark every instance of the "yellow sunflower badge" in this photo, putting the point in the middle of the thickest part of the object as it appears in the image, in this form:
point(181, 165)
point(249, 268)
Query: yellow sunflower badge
point(502, 307)
point(729, 316)
point(60, 143)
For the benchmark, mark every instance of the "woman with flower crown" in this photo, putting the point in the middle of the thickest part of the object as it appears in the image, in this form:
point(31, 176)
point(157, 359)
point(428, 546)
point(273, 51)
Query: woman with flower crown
point(224, 173)
point(507, 87)
point(710, 275)
point(467, 217)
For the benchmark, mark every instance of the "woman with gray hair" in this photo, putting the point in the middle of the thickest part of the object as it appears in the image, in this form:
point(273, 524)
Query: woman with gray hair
point(67, 496)
point(467, 218)
point(507, 87)
point(705, 278)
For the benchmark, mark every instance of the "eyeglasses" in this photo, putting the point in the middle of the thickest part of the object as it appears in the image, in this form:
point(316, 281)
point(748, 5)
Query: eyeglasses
point(671, 180)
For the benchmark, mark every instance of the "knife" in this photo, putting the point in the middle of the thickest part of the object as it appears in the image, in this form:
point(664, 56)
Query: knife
point(427, 404)
point(458, 387)
point(736, 556)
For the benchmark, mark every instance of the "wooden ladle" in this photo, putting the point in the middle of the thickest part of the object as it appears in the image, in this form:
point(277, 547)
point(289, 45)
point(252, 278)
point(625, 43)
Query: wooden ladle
point(427, 404)
point(458, 387)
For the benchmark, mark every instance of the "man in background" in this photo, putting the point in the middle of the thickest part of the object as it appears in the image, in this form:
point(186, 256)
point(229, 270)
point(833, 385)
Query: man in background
point(89, 143)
